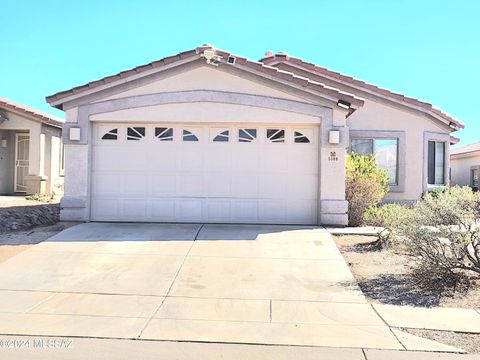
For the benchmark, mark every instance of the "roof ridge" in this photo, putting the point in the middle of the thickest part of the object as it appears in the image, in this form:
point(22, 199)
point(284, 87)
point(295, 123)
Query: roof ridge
point(302, 81)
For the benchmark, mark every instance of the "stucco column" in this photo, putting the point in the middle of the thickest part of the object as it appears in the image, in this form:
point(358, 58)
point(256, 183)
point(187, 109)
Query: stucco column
point(332, 204)
point(35, 182)
point(75, 200)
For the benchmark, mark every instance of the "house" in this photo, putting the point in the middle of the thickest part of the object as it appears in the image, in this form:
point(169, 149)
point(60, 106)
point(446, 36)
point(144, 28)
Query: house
point(209, 136)
point(465, 165)
point(31, 151)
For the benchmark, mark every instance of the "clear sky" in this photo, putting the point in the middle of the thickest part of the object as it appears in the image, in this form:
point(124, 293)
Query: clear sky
point(429, 49)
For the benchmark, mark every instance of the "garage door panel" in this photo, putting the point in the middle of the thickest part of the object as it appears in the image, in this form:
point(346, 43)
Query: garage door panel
point(273, 159)
point(133, 209)
point(272, 187)
point(204, 180)
point(218, 185)
point(161, 184)
point(218, 210)
point(190, 160)
point(244, 186)
point(162, 158)
point(133, 184)
point(301, 188)
point(308, 163)
point(105, 209)
point(218, 158)
point(188, 210)
point(189, 185)
point(272, 210)
point(245, 210)
point(246, 158)
point(163, 210)
point(300, 210)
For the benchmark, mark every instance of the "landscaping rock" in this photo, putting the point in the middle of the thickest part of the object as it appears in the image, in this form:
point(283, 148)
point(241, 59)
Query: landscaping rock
point(26, 217)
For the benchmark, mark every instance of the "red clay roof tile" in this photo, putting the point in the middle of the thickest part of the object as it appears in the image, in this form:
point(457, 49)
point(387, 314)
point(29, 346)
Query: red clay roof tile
point(285, 58)
point(31, 112)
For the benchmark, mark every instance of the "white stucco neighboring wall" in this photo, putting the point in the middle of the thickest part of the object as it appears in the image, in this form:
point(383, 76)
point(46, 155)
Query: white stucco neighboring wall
point(462, 165)
point(44, 175)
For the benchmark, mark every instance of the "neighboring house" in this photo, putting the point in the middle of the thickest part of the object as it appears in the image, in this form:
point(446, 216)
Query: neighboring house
point(209, 136)
point(30, 151)
point(465, 164)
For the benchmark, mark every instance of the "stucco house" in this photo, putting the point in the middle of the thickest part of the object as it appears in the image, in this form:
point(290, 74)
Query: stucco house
point(31, 151)
point(209, 136)
point(465, 165)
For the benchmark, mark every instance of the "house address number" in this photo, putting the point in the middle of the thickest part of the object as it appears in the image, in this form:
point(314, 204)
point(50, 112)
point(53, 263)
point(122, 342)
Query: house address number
point(333, 156)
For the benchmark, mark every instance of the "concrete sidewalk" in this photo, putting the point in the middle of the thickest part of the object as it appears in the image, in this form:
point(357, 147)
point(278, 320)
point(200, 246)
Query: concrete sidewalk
point(44, 348)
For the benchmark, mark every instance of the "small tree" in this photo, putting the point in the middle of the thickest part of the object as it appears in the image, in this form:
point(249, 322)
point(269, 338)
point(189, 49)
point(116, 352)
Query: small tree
point(365, 185)
point(443, 232)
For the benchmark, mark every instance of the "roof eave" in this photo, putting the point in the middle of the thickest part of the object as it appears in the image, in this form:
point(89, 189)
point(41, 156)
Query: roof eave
point(436, 113)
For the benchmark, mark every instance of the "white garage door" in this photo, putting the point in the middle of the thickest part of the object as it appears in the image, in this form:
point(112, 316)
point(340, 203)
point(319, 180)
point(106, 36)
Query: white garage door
point(207, 173)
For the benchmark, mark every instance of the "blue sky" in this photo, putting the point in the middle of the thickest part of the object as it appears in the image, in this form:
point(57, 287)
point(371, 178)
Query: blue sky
point(426, 49)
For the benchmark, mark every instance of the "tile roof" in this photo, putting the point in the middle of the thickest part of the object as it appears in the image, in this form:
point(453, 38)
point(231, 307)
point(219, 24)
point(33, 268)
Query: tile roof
point(466, 149)
point(282, 57)
point(31, 112)
point(224, 55)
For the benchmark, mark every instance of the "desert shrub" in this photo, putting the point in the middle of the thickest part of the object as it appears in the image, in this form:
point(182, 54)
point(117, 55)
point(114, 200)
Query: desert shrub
point(443, 232)
point(39, 197)
point(391, 217)
point(365, 186)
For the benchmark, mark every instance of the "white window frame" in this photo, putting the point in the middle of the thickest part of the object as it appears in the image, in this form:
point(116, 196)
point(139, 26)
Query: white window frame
point(438, 137)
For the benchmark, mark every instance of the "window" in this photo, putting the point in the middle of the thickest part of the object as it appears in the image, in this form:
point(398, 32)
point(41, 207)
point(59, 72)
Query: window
point(164, 134)
point(436, 163)
point(475, 177)
point(188, 136)
point(110, 135)
point(300, 137)
point(247, 135)
point(276, 135)
point(135, 133)
point(222, 137)
point(385, 151)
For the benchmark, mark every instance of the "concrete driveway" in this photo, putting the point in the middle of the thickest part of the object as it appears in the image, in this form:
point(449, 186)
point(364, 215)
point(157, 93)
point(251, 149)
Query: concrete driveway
point(216, 283)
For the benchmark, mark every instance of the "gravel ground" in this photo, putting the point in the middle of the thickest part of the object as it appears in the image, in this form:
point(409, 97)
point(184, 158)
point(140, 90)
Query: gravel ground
point(468, 342)
point(390, 278)
point(14, 242)
point(17, 213)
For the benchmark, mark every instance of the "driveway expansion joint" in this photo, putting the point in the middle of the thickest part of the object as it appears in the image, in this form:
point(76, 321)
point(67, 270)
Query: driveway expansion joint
point(171, 284)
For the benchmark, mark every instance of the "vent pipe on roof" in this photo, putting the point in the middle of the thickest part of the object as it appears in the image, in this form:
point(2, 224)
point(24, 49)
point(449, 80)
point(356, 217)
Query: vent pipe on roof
point(268, 53)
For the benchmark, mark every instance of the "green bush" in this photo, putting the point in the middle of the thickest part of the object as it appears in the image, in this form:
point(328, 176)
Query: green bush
point(390, 217)
point(365, 186)
point(443, 233)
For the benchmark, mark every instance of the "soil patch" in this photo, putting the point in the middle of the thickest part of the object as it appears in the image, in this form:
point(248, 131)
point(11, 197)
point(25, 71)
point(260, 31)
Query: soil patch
point(391, 278)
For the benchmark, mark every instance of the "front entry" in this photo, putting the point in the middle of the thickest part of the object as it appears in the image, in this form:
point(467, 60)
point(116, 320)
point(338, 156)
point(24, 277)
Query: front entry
point(22, 146)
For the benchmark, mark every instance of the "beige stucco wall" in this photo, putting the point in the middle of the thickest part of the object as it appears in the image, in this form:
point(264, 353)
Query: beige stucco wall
point(205, 112)
point(261, 93)
point(204, 78)
point(378, 116)
point(461, 167)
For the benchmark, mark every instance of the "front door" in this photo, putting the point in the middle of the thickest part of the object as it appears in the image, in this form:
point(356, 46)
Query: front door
point(22, 145)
